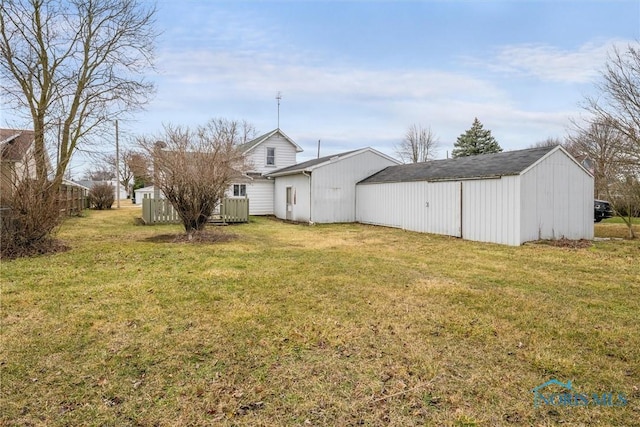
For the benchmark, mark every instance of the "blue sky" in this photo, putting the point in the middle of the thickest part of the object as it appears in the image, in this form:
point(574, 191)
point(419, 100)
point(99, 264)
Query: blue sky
point(358, 73)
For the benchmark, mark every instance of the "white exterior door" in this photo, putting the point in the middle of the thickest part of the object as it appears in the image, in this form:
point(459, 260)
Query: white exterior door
point(289, 202)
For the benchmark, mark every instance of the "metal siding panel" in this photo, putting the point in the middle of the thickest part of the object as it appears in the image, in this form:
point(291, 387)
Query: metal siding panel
point(489, 210)
point(563, 195)
point(404, 205)
point(300, 185)
point(334, 186)
point(378, 204)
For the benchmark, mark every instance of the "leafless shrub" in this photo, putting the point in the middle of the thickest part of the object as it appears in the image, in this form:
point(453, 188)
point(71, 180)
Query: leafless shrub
point(101, 196)
point(29, 215)
point(194, 167)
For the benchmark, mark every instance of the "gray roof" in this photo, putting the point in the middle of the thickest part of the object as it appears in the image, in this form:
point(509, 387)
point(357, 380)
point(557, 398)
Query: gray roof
point(480, 166)
point(256, 141)
point(14, 144)
point(304, 166)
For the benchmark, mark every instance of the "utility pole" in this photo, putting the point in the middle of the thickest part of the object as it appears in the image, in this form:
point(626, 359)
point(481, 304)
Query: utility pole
point(117, 167)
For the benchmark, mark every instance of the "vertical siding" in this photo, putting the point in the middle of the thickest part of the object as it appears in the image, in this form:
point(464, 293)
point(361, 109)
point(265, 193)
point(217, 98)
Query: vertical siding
point(285, 155)
point(334, 186)
point(379, 204)
point(490, 210)
point(300, 193)
point(416, 206)
point(557, 200)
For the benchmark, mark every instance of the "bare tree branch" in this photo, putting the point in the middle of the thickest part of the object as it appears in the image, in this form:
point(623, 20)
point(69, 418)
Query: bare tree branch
point(194, 167)
point(76, 63)
point(618, 108)
point(419, 145)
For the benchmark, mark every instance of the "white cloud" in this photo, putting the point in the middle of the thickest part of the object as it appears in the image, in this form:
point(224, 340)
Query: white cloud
point(257, 73)
point(550, 63)
point(350, 105)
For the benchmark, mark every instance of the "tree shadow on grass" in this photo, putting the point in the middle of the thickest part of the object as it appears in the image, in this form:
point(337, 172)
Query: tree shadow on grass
point(202, 237)
point(47, 246)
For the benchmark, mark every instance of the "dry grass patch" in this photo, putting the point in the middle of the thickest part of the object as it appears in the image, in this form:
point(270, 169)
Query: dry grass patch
point(324, 325)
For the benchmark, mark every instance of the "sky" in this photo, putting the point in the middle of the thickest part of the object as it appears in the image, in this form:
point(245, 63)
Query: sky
point(358, 73)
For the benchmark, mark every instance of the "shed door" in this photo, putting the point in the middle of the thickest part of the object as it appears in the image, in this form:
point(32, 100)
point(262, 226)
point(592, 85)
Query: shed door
point(289, 207)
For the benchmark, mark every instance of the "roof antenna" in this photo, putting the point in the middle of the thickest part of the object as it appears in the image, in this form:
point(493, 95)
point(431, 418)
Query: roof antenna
point(279, 97)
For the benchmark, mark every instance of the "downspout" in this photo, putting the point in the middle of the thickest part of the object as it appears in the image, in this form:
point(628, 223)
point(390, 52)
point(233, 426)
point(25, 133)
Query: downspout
point(308, 175)
point(461, 210)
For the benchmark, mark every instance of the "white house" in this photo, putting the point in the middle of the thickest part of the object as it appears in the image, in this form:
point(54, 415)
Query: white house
point(17, 159)
point(508, 198)
point(266, 153)
point(112, 182)
point(323, 190)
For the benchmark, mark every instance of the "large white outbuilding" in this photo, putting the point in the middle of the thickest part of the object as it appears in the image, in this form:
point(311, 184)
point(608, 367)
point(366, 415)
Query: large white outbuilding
point(323, 190)
point(508, 198)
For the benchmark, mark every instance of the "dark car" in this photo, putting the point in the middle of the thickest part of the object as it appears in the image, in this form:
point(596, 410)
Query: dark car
point(601, 210)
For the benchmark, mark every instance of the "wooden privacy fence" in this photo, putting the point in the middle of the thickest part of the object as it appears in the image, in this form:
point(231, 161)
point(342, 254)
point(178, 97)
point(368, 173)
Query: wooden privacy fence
point(72, 199)
point(234, 209)
point(160, 211)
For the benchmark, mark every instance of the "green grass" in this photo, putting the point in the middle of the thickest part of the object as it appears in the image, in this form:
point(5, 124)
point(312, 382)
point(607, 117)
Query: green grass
point(323, 325)
point(619, 220)
point(616, 228)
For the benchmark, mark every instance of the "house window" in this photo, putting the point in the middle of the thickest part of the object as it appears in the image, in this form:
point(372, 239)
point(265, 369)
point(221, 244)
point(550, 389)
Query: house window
point(239, 190)
point(271, 156)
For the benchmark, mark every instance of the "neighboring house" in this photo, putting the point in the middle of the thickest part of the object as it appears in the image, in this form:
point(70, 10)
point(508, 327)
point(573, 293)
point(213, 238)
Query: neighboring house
point(323, 190)
point(112, 182)
point(509, 198)
point(17, 159)
point(266, 153)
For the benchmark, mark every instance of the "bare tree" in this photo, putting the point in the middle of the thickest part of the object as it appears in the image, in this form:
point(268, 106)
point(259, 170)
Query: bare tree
point(103, 172)
point(619, 103)
point(615, 174)
point(618, 107)
point(194, 167)
point(247, 131)
point(419, 145)
point(549, 142)
point(601, 146)
point(76, 63)
point(131, 161)
point(71, 67)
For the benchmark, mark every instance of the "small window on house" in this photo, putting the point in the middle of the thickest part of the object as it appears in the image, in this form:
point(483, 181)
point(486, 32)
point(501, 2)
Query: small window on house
point(271, 156)
point(239, 190)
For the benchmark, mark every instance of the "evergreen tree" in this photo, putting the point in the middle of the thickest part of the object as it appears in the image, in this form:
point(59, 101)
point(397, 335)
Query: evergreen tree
point(475, 141)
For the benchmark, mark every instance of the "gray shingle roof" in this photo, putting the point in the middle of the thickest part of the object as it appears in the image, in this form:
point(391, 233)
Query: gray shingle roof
point(14, 144)
point(250, 144)
point(310, 163)
point(480, 166)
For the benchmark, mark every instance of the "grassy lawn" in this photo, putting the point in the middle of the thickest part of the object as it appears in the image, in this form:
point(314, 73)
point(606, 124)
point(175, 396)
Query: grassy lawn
point(616, 228)
point(323, 325)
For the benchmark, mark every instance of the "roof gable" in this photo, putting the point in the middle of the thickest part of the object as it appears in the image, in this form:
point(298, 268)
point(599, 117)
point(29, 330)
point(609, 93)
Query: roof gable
point(470, 167)
point(15, 144)
point(250, 145)
point(310, 165)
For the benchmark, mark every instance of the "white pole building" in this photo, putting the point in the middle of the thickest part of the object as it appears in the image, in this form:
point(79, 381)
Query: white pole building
point(323, 190)
point(508, 198)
